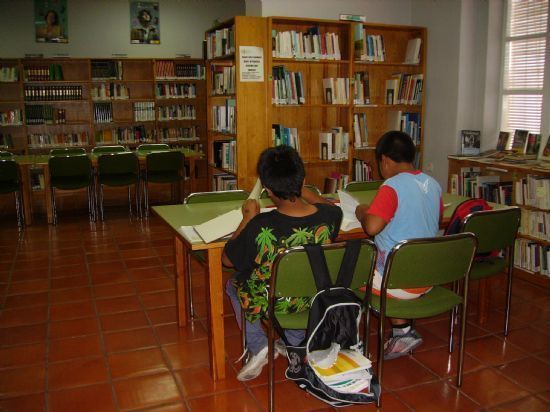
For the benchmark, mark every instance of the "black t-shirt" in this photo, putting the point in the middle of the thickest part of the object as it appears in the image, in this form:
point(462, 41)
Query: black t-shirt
point(268, 233)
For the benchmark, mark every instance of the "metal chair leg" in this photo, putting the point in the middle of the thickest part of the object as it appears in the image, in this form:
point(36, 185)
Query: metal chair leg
point(243, 336)
point(54, 208)
point(271, 366)
point(462, 342)
point(366, 332)
point(137, 198)
point(380, 360)
point(510, 257)
point(101, 211)
point(190, 287)
point(19, 209)
point(146, 196)
point(130, 200)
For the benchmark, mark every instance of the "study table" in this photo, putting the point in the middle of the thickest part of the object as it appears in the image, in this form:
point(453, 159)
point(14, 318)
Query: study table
point(192, 214)
point(26, 162)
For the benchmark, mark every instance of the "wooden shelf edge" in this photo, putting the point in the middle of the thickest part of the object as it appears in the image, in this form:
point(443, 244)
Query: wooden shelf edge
point(535, 278)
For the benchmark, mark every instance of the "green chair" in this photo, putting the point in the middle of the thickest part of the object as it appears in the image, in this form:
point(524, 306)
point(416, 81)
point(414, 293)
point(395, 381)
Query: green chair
point(108, 149)
point(200, 255)
point(5, 154)
point(496, 230)
point(71, 172)
point(67, 151)
point(363, 186)
point(10, 182)
point(118, 169)
point(153, 147)
point(291, 276)
point(419, 263)
point(162, 167)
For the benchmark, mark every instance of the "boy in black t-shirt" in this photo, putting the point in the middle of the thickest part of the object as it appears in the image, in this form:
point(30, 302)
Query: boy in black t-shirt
point(301, 217)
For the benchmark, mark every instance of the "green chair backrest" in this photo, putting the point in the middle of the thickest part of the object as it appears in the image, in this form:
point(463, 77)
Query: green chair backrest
point(292, 275)
point(363, 186)
point(312, 188)
point(9, 175)
point(118, 163)
point(4, 154)
point(221, 196)
point(108, 149)
point(67, 151)
point(495, 229)
point(151, 147)
point(164, 162)
point(70, 166)
point(432, 261)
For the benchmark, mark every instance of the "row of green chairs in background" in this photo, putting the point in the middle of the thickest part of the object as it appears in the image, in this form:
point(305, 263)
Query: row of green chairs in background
point(10, 182)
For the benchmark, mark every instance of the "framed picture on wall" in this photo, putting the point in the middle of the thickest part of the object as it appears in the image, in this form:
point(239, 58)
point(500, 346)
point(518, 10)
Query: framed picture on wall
point(144, 22)
point(50, 21)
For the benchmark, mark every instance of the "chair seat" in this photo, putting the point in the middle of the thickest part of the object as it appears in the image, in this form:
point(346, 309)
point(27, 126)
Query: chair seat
point(163, 177)
point(8, 186)
point(70, 182)
point(296, 320)
point(433, 303)
point(119, 179)
point(488, 267)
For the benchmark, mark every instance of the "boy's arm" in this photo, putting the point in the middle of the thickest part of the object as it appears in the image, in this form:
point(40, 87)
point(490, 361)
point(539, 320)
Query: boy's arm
point(250, 209)
point(372, 224)
point(379, 213)
point(312, 198)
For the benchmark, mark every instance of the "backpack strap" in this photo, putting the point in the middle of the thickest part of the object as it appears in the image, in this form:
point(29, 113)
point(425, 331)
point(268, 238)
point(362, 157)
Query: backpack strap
point(349, 262)
point(319, 266)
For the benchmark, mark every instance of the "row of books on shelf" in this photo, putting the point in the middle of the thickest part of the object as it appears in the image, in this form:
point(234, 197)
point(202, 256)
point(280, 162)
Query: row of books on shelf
point(361, 88)
point(367, 47)
point(311, 44)
point(179, 133)
point(44, 114)
point(224, 117)
point(336, 181)
point(223, 79)
point(37, 93)
point(175, 91)
point(533, 191)
point(11, 117)
point(177, 112)
point(123, 135)
point(336, 90)
point(333, 144)
point(103, 112)
point(360, 130)
point(223, 181)
point(470, 182)
point(8, 74)
point(362, 170)
point(52, 72)
point(144, 111)
point(170, 70)
point(57, 139)
point(288, 87)
point(404, 89)
point(106, 69)
point(535, 223)
point(287, 136)
point(109, 91)
point(532, 256)
point(225, 154)
point(220, 43)
point(405, 122)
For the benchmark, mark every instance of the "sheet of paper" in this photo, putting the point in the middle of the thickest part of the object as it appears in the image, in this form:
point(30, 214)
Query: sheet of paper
point(220, 226)
point(256, 190)
point(348, 204)
point(189, 233)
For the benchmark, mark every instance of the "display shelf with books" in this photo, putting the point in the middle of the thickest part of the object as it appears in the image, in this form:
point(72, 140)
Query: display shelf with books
point(512, 184)
point(390, 63)
point(236, 120)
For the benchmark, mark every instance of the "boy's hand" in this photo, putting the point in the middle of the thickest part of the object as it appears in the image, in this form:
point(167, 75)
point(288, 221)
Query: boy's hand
point(360, 211)
point(250, 209)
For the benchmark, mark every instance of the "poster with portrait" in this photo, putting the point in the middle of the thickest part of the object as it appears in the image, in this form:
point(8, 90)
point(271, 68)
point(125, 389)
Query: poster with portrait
point(144, 22)
point(50, 21)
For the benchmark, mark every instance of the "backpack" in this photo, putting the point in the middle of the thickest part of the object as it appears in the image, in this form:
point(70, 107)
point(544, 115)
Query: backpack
point(334, 316)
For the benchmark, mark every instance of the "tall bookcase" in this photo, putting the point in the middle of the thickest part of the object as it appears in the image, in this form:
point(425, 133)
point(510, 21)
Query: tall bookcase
point(12, 129)
point(236, 120)
point(525, 186)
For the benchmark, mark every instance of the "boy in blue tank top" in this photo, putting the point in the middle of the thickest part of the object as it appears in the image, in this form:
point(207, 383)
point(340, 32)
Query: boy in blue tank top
point(408, 205)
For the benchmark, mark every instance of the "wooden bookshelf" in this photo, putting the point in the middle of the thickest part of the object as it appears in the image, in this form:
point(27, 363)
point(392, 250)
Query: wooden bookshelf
point(507, 173)
point(250, 132)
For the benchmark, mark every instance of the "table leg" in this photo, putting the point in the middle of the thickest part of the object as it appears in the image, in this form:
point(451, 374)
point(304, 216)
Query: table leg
point(47, 198)
point(483, 301)
point(181, 257)
point(26, 193)
point(216, 329)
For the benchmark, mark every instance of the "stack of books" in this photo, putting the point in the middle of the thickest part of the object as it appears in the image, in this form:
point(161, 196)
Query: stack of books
point(8, 74)
point(288, 136)
point(360, 131)
point(405, 122)
point(224, 117)
point(309, 45)
point(288, 87)
point(220, 43)
point(404, 89)
point(361, 88)
point(336, 90)
point(223, 80)
point(368, 47)
point(362, 170)
point(333, 145)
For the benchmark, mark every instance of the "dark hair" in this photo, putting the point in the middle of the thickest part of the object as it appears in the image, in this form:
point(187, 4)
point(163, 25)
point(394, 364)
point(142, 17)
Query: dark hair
point(398, 146)
point(281, 170)
point(141, 17)
point(56, 17)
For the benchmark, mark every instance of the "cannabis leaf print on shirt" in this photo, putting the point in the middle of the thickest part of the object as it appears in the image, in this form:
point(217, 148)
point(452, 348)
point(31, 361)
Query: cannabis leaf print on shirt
point(253, 293)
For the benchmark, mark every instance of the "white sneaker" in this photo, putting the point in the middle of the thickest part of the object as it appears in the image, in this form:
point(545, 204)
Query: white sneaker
point(280, 348)
point(254, 366)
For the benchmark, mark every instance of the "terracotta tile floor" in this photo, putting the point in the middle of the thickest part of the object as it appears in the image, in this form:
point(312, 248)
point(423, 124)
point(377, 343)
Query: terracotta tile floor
point(87, 323)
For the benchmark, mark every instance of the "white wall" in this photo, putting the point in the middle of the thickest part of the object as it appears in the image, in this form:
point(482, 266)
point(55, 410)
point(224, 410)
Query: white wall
point(99, 28)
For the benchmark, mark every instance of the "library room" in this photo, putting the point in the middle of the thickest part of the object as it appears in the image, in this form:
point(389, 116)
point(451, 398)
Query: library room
point(272, 205)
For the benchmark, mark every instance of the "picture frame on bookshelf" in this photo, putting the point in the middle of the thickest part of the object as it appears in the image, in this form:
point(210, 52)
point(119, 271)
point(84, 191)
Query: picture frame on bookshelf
point(144, 22)
point(470, 142)
point(502, 142)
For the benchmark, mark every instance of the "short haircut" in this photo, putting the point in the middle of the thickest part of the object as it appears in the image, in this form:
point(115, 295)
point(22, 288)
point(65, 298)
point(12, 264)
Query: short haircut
point(398, 146)
point(281, 170)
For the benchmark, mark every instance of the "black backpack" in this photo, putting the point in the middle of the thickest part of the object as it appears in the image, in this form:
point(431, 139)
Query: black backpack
point(334, 316)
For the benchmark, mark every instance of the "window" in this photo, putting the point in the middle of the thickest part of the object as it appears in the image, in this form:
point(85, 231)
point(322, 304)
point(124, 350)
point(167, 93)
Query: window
point(526, 49)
